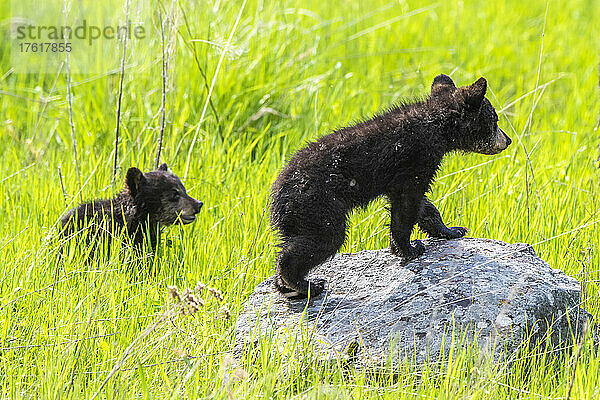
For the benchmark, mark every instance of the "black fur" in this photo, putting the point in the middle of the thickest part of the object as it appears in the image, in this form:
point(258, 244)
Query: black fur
point(394, 154)
point(148, 201)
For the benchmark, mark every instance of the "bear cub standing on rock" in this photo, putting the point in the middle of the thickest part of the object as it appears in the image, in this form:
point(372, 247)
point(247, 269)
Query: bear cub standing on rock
point(394, 154)
point(149, 201)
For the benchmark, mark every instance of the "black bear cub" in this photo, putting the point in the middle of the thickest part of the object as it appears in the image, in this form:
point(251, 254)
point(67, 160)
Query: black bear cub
point(148, 201)
point(395, 154)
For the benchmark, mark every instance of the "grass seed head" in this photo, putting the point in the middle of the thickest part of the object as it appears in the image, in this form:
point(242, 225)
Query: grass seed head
point(190, 303)
point(174, 293)
point(200, 287)
point(225, 312)
point(216, 293)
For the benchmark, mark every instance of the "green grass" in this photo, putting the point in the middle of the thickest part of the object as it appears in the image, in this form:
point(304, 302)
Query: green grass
point(316, 65)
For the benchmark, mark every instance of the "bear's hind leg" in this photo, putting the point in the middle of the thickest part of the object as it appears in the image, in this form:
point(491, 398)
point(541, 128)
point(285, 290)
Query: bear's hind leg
point(298, 255)
point(430, 222)
point(404, 213)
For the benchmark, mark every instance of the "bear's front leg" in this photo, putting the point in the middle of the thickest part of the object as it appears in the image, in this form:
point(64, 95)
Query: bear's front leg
point(403, 216)
point(430, 222)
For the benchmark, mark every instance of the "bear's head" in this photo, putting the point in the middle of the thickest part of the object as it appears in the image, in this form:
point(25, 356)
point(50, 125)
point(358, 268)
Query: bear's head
point(474, 122)
point(161, 195)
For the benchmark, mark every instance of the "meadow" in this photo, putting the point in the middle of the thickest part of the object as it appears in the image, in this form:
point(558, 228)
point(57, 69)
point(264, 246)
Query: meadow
point(245, 85)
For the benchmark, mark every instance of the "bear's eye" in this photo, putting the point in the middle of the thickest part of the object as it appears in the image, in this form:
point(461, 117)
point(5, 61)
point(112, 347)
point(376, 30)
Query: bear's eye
point(174, 196)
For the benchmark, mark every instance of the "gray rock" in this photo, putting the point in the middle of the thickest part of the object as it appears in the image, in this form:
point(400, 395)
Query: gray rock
point(378, 308)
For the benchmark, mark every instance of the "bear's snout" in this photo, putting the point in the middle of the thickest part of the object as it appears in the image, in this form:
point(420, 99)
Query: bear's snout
point(188, 214)
point(503, 141)
point(508, 141)
point(198, 205)
point(500, 143)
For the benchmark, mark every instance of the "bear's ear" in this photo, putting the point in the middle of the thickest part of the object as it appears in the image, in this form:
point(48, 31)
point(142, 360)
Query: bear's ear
point(134, 179)
point(442, 79)
point(163, 167)
point(473, 94)
point(441, 83)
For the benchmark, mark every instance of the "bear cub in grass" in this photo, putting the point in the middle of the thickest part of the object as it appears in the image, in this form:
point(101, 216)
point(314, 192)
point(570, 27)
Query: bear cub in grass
point(148, 201)
point(395, 154)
